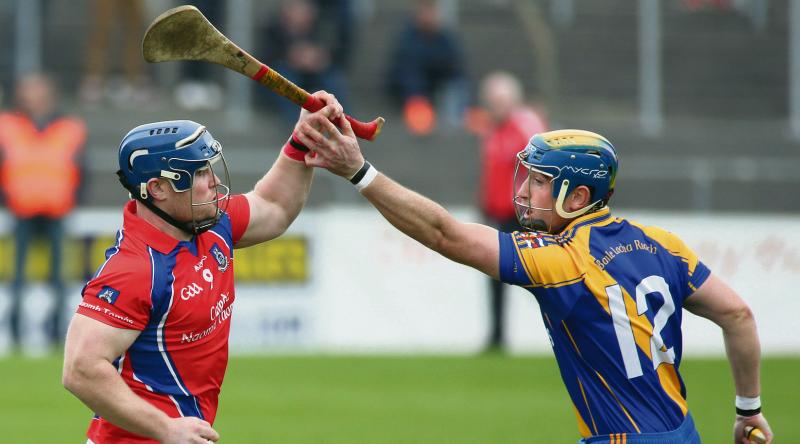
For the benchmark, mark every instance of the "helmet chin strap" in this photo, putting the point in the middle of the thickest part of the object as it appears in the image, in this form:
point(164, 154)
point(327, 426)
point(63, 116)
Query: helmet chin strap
point(562, 195)
point(192, 228)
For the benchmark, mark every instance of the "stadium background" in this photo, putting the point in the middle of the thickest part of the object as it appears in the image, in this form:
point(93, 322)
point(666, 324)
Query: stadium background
point(708, 130)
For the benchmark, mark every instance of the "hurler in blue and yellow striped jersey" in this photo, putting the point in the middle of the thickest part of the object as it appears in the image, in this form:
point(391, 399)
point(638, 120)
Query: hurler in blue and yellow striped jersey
point(610, 293)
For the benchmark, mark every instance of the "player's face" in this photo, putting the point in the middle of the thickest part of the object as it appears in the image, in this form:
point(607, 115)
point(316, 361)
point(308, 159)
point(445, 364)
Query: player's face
point(534, 198)
point(204, 193)
point(198, 203)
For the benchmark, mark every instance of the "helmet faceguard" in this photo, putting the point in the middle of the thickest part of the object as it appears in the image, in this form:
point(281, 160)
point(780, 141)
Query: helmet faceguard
point(569, 158)
point(523, 207)
point(179, 151)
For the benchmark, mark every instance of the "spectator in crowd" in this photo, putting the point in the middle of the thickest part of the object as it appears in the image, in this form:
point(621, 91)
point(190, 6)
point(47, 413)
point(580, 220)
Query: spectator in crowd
point(106, 16)
point(426, 70)
point(309, 43)
point(40, 176)
point(510, 124)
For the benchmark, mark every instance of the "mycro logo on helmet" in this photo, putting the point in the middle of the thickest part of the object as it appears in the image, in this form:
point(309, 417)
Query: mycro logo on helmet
point(596, 174)
point(575, 158)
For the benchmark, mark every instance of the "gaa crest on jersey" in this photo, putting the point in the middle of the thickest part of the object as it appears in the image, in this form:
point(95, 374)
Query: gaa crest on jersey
point(108, 294)
point(529, 240)
point(220, 258)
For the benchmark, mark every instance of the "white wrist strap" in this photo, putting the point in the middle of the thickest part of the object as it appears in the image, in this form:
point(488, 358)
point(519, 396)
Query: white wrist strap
point(364, 176)
point(745, 403)
point(372, 173)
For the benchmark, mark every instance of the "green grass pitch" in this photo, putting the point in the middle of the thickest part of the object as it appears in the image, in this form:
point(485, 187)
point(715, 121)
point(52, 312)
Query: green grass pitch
point(326, 399)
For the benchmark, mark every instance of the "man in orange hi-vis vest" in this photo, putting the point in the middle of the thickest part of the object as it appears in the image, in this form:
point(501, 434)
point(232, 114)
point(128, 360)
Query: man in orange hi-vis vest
point(39, 176)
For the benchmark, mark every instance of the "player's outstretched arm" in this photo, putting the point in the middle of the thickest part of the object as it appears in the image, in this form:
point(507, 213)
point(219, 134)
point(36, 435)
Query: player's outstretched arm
point(278, 197)
point(415, 215)
point(719, 303)
point(91, 348)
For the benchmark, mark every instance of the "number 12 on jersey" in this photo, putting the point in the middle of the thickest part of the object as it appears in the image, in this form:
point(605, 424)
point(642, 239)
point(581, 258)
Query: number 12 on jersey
point(624, 331)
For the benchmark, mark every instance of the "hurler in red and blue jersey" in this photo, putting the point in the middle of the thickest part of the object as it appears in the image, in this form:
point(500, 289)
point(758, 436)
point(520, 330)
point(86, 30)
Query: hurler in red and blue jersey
point(178, 294)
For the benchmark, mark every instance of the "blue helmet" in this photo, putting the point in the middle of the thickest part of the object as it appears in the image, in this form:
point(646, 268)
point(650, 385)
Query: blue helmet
point(173, 150)
point(571, 158)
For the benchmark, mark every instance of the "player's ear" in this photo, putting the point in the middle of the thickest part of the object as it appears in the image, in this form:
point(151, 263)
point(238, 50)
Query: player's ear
point(158, 188)
point(579, 198)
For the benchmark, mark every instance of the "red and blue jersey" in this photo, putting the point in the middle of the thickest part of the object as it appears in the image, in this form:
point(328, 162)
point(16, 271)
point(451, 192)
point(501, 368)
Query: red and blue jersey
point(610, 293)
point(179, 295)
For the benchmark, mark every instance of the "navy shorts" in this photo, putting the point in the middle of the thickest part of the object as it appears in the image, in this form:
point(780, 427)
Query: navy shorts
point(685, 434)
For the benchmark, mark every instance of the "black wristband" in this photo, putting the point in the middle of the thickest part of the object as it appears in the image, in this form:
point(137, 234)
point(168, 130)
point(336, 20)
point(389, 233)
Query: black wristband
point(296, 144)
point(360, 173)
point(743, 412)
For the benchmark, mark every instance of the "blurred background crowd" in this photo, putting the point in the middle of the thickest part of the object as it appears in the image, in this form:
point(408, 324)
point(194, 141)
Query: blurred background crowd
point(700, 97)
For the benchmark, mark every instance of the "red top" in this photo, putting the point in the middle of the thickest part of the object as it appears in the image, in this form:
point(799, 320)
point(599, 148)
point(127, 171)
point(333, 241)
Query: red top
point(179, 295)
point(498, 157)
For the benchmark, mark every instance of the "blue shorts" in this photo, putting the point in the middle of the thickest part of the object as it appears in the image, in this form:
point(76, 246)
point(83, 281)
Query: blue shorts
point(685, 434)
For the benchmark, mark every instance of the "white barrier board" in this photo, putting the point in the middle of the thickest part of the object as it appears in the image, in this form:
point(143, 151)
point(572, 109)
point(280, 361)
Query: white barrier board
point(371, 289)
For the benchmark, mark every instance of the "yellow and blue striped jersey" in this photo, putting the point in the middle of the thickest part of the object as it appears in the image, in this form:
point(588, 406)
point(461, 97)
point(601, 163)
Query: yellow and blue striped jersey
point(610, 292)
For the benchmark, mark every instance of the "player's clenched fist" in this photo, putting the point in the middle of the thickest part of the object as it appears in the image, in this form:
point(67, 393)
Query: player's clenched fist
point(189, 430)
point(744, 423)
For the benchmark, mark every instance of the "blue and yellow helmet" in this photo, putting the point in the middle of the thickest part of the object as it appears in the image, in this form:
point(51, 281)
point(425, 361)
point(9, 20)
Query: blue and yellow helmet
point(571, 158)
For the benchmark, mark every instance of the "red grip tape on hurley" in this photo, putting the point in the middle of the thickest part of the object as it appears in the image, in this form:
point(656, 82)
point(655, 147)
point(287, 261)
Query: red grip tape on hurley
point(261, 73)
point(364, 130)
point(313, 104)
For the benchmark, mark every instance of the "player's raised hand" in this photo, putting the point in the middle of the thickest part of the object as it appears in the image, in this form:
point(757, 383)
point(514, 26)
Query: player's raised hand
point(332, 109)
point(189, 430)
point(336, 151)
point(757, 421)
